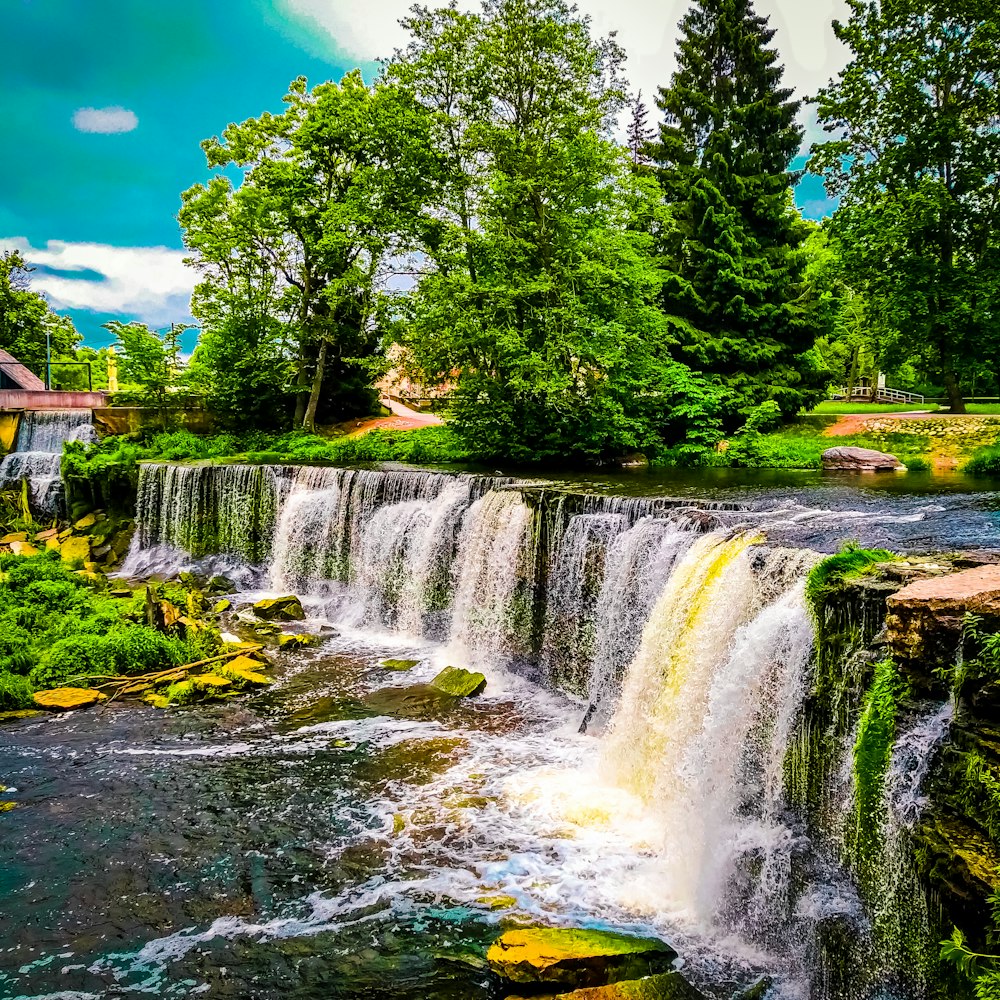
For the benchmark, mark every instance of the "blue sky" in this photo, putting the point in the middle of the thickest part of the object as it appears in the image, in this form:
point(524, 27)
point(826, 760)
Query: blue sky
point(104, 106)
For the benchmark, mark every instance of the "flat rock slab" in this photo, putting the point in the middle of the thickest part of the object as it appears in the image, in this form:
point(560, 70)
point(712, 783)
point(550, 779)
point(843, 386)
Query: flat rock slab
point(68, 699)
point(668, 986)
point(576, 958)
point(860, 460)
point(924, 620)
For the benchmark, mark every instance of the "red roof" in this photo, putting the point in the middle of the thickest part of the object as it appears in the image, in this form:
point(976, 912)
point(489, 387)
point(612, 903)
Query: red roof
point(22, 377)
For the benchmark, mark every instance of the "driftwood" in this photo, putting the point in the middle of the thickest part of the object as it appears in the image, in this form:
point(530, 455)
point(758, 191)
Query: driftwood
point(129, 683)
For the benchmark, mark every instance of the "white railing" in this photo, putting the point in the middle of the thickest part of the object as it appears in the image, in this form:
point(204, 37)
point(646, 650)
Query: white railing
point(882, 395)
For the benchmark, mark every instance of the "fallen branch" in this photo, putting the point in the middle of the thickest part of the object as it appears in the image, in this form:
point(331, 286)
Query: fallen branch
point(111, 680)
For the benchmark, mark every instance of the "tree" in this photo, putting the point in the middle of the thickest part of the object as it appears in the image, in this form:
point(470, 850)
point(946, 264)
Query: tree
point(640, 133)
point(916, 164)
point(27, 323)
point(536, 301)
point(327, 189)
point(734, 263)
point(144, 360)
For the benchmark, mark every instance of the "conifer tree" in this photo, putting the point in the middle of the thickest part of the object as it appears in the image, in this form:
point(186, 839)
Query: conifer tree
point(640, 133)
point(724, 154)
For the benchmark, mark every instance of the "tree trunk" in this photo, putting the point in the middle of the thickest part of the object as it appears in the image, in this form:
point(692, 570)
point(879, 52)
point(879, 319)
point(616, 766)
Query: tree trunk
point(852, 378)
point(309, 421)
point(956, 403)
point(301, 395)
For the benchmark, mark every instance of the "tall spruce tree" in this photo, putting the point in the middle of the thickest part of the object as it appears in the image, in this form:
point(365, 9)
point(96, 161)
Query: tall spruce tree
point(735, 263)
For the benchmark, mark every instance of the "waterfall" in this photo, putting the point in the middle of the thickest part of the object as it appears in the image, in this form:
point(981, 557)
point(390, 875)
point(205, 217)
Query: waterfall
point(37, 453)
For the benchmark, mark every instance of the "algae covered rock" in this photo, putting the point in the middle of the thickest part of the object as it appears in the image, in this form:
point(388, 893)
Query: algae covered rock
point(22, 548)
point(75, 549)
point(399, 665)
point(667, 986)
point(280, 609)
point(575, 957)
point(459, 683)
point(67, 699)
point(243, 671)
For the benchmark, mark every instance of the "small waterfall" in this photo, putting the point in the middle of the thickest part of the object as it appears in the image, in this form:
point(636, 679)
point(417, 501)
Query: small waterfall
point(37, 454)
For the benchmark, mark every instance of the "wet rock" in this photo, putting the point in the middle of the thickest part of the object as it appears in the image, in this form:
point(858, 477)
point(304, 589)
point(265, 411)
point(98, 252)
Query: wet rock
point(221, 585)
point(43, 536)
point(667, 986)
point(415, 702)
point(280, 609)
point(68, 699)
point(924, 620)
point(212, 682)
point(21, 548)
point(21, 713)
point(299, 641)
point(459, 683)
point(758, 991)
point(576, 958)
point(85, 522)
point(399, 665)
point(848, 459)
point(14, 536)
point(244, 671)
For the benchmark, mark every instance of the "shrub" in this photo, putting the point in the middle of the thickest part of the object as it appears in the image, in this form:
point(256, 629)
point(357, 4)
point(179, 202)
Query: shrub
point(985, 462)
point(15, 692)
point(71, 658)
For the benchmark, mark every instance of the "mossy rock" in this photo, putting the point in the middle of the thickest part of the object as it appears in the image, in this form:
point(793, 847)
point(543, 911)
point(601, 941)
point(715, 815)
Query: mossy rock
point(182, 693)
point(14, 536)
point(576, 957)
point(22, 548)
point(85, 522)
point(212, 682)
point(399, 665)
point(280, 609)
point(666, 986)
point(7, 806)
point(68, 699)
point(499, 902)
point(301, 641)
point(459, 683)
point(156, 700)
point(20, 713)
point(243, 671)
point(75, 549)
point(417, 701)
point(220, 606)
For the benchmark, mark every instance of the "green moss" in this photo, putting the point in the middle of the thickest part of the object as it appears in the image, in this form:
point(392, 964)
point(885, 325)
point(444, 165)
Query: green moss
point(829, 575)
point(872, 753)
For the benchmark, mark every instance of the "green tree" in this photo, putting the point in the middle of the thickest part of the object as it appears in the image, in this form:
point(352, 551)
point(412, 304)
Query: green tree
point(536, 300)
point(144, 361)
point(327, 192)
point(916, 164)
point(27, 322)
point(734, 262)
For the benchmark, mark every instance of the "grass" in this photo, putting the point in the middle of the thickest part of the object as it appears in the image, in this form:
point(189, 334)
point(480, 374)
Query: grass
point(982, 409)
point(985, 462)
point(800, 445)
point(839, 408)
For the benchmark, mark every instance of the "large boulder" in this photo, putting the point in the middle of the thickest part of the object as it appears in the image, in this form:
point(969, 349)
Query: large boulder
point(576, 958)
point(280, 609)
point(848, 459)
point(925, 619)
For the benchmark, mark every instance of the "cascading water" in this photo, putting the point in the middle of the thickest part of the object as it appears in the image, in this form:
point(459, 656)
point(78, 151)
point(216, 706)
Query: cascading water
point(690, 642)
point(36, 457)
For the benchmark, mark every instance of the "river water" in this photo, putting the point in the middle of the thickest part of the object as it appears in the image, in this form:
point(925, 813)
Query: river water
point(339, 836)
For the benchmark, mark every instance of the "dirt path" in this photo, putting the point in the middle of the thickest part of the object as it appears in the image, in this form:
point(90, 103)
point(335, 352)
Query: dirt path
point(402, 419)
point(854, 423)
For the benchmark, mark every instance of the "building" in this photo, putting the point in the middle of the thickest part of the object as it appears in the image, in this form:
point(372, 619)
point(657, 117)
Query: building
point(13, 375)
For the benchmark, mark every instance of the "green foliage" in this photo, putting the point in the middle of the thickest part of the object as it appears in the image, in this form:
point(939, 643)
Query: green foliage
point(915, 114)
point(537, 306)
point(872, 753)
point(830, 574)
point(27, 321)
point(148, 363)
point(985, 462)
point(15, 692)
point(843, 407)
point(983, 970)
point(291, 259)
point(54, 629)
point(733, 259)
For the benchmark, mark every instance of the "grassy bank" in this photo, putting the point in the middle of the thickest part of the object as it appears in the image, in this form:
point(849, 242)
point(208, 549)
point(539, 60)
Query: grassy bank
point(842, 407)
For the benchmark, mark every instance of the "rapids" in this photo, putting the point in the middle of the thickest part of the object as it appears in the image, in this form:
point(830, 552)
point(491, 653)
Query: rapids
point(648, 663)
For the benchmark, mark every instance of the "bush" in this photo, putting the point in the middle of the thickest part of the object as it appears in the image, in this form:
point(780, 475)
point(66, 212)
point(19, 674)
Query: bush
point(985, 462)
point(15, 693)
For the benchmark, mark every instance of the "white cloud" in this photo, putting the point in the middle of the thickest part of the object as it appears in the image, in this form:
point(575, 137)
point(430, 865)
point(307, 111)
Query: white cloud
point(106, 121)
point(368, 29)
point(149, 283)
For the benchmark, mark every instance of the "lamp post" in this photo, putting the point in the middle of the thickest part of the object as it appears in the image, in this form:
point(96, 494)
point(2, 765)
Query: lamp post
point(48, 359)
